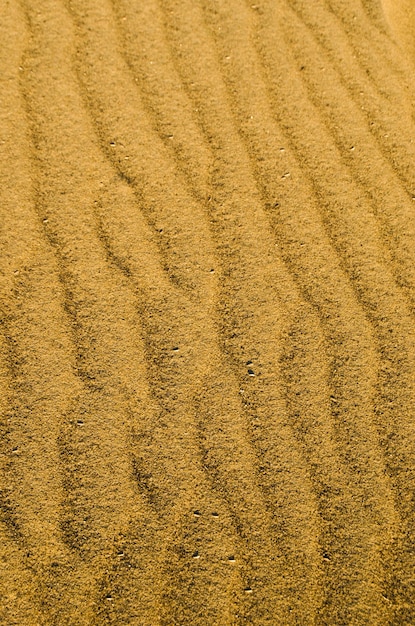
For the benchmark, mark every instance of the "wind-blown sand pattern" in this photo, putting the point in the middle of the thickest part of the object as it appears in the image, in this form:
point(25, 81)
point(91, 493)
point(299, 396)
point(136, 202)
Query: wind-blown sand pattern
point(207, 312)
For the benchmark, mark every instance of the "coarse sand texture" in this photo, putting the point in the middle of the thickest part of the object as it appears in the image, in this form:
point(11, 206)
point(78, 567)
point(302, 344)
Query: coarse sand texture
point(207, 312)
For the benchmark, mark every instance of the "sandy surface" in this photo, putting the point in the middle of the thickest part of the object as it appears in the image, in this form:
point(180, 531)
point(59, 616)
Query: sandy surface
point(207, 284)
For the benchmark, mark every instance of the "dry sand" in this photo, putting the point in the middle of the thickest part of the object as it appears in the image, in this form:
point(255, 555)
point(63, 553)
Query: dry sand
point(208, 299)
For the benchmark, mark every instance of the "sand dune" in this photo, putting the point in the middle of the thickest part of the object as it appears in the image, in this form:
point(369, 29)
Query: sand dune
point(207, 312)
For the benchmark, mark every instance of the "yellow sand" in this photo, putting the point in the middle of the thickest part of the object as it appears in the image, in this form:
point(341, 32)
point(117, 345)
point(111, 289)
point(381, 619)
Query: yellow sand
point(207, 347)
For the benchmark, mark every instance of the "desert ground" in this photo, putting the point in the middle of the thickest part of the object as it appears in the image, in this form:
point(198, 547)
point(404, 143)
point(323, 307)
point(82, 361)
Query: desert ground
point(207, 338)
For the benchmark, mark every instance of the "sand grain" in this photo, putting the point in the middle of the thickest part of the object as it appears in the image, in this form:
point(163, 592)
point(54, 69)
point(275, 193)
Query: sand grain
point(207, 347)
